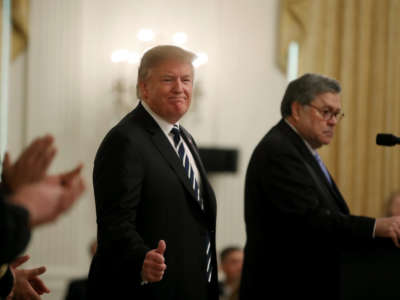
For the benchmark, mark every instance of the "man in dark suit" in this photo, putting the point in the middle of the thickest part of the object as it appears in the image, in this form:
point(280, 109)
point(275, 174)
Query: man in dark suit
point(297, 221)
point(156, 211)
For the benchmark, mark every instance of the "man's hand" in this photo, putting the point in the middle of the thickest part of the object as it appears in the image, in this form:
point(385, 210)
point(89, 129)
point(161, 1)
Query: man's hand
point(31, 166)
point(27, 284)
point(388, 228)
point(49, 198)
point(72, 183)
point(154, 263)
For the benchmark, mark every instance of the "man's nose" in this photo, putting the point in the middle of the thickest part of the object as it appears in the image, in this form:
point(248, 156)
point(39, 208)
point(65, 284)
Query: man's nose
point(178, 86)
point(333, 120)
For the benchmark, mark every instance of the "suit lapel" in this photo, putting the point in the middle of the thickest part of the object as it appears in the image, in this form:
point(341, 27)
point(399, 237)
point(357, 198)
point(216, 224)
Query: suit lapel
point(315, 168)
point(166, 150)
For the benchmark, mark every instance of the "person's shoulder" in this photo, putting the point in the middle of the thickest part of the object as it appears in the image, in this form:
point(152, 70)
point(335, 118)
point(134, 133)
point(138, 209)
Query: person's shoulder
point(78, 281)
point(77, 289)
point(274, 141)
point(129, 129)
point(78, 284)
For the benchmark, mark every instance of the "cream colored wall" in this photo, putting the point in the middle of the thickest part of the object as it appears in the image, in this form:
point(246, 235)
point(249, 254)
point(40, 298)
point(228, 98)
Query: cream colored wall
point(64, 86)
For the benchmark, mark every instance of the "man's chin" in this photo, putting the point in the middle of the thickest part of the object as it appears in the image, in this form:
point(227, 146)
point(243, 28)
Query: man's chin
point(176, 116)
point(179, 111)
point(326, 141)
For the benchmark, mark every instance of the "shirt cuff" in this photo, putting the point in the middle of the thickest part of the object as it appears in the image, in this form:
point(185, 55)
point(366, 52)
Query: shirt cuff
point(144, 282)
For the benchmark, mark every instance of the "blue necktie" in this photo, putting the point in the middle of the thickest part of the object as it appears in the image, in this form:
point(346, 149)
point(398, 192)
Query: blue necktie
point(323, 167)
point(178, 141)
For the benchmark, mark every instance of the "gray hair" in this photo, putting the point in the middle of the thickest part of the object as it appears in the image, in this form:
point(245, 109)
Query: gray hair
point(304, 90)
point(156, 55)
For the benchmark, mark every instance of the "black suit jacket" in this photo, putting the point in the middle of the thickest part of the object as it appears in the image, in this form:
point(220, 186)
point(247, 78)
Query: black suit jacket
point(296, 222)
point(77, 289)
point(14, 237)
point(143, 195)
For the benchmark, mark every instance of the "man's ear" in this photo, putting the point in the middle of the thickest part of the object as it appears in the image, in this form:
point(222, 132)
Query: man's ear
point(296, 107)
point(143, 89)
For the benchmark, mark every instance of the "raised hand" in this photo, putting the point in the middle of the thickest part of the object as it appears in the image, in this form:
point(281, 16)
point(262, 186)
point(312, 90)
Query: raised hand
point(154, 263)
point(49, 198)
point(31, 166)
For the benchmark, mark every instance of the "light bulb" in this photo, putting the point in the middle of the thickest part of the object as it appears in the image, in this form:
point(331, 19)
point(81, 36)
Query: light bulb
point(202, 58)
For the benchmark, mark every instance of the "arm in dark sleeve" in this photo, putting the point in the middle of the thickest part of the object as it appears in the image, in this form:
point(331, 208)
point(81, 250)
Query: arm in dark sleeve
point(14, 237)
point(6, 283)
point(117, 179)
point(14, 231)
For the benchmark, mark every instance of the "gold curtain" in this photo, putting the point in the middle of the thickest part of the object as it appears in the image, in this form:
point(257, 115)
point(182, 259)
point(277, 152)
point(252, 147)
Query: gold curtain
point(19, 23)
point(358, 43)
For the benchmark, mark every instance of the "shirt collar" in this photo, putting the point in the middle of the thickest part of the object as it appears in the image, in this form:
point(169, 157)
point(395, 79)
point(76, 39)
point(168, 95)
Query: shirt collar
point(164, 125)
point(313, 151)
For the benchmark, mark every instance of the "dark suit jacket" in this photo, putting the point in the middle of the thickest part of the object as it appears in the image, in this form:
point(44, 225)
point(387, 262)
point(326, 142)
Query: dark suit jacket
point(296, 222)
point(14, 237)
point(143, 195)
point(77, 289)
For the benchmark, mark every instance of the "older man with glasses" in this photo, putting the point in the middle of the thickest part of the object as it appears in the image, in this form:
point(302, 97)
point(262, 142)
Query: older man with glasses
point(297, 221)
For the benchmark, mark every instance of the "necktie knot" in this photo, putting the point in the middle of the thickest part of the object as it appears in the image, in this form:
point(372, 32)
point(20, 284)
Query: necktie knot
point(317, 157)
point(176, 133)
point(323, 167)
point(175, 130)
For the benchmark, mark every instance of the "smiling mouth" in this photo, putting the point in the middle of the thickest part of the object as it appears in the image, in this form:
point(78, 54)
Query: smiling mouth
point(177, 99)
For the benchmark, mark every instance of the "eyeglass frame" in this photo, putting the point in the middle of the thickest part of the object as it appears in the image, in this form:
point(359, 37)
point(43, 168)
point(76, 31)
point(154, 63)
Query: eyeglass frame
point(329, 114)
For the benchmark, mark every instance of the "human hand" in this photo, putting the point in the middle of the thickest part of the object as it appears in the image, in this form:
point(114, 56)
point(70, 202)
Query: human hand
point(154, 263)
point(27, 284)
point(72, 183)
point(388, 228)
point(31, 166)
point(49, 198)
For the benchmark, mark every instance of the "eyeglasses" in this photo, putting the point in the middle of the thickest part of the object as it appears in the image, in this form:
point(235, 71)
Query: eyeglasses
point(328, 114)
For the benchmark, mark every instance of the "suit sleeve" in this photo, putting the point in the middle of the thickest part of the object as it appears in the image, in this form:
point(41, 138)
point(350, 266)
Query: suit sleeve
point(295, 194)
point(14, 231)
point(6, 283)
point(14, 235)
point(117, 179)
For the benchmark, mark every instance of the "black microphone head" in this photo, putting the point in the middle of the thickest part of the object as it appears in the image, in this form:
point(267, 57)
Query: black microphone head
point(386, 139)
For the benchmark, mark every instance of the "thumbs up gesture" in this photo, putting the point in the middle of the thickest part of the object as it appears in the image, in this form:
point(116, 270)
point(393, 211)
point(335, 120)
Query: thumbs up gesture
point(154, 263)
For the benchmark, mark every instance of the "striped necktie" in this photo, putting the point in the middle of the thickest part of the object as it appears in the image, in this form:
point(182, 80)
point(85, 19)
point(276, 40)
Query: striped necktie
point(178, 141)
point(323, 167)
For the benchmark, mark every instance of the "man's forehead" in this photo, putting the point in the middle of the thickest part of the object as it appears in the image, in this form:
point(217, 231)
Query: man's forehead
point(328, 99)
point(171, 66)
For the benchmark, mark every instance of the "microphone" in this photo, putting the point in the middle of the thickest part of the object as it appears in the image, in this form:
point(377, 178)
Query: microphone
point(387, 139)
